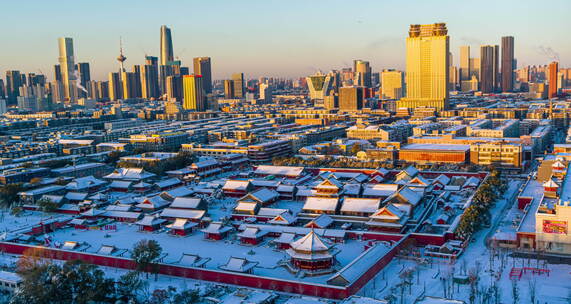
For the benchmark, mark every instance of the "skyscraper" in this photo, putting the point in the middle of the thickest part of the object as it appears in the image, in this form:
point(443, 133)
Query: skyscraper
point(166, 46)
point(193, 93)
point(363, 73)
point(319, 85)
point(202, 66)
point(553, 71)
point(391, 84)
point(67, 68)
point(228, 89)
point(488, 68)
point(13, 84)
point(507, 63)
point(427, 68)
point(464, 62)
point(239, 90)
point(150, 78)
point(84, 77)
point(115, 86)
point(174, 88)
point(350, 99)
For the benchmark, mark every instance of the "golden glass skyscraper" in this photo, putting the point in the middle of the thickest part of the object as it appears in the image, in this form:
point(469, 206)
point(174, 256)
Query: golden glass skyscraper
point(427, 72)
point(67, 66)
point(193, 93)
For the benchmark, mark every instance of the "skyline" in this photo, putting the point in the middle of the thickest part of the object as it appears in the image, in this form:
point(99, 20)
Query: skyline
point(268, 43)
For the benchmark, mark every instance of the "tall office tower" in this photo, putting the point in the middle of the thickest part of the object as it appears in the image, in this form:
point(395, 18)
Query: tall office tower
point(427, 71)
point(229, 89)
point(553, 71)
point(239, 90)
point(184, 71)
point(194, 98)
point(391, 84)
point(13, 84)
point(507, 63)
point(454, 78)
point(166, 46)
point(2, 89)
point(265, 93)
point(362, 73)
point(115, 86)
point(319, 85)
point(137, 76)
point(67, 66)
point(131, 84)
point(103, 89)
point(164, 72)
point(174, 88)
point(84, 77)
point(57, 73)
point(202, 66)
point(350, 99)
point(488, 68)
point(149, 81)
point(465, 62)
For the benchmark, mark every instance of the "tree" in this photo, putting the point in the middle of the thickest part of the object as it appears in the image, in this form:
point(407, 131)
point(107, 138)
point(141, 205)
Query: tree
point(74, 282)
point(186, 297)
point(130, 285)
point(47, 205)
point(146, 254)
point(9, 195)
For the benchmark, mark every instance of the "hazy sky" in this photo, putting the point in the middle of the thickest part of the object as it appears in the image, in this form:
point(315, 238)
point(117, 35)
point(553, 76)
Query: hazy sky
point(287, 38)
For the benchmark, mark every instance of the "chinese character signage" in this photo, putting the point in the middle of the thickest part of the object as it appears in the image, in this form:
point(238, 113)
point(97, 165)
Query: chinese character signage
point(558, 227)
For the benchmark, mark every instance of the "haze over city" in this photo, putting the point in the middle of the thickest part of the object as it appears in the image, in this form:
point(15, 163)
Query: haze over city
point(271, 38)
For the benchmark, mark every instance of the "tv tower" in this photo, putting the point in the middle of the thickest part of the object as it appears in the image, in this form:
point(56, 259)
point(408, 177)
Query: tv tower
point(121, 57)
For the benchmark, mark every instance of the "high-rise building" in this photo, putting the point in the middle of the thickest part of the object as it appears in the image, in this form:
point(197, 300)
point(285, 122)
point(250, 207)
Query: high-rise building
point(193, 93)
point(2, 90)
point(57, 73)
point(103, 89)
point(362, 73)
point(115, 86)
point(84, 77)
point(229, 89)
point(331, 102)
point(488, 68)
point(265, 92)
point(391, 84)
point(319, 85)
point(174, 88)
point(67, 68)
point(475, 68)
point(13, 84)
point(166, 46)
point(35, 79)
point(130, 82)
point(202, 66)
point(465, 62)
point(427, 68)
point(164, 72)
point(553, 73)
point(150, 78)
point(350, 99)
point(507, 63)
point(239, 88)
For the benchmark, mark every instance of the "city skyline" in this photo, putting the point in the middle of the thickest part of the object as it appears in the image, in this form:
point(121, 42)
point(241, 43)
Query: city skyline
point(290, 43)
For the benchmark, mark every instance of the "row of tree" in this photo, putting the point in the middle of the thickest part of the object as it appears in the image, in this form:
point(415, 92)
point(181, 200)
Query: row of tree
point(478, 213)
point(79, 282)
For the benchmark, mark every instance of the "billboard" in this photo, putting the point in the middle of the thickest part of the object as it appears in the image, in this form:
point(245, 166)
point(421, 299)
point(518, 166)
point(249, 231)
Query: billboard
point(557, 227)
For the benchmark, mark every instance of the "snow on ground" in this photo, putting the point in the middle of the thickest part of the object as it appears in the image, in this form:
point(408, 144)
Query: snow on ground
point(427, 277)
point(127, 235)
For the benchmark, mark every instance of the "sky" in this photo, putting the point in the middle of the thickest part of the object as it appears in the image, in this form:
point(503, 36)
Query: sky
point(277, 38)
